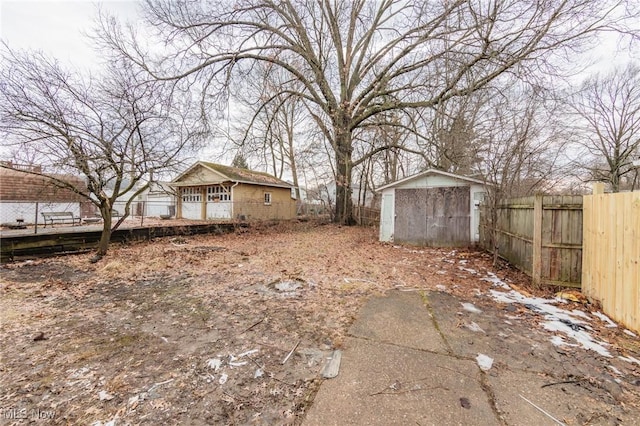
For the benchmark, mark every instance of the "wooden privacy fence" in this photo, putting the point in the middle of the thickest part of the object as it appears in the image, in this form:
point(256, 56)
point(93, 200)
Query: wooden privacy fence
point(611, 259)
point(541, 235)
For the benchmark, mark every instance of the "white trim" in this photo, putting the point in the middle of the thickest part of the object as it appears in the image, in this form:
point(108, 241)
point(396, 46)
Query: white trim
point(175, 182)
point(429, 172)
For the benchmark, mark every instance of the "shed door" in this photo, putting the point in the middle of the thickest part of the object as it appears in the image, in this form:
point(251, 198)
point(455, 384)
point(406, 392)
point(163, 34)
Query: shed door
point(433, 216)
point(386, 222)
point(192, 210)
point(192, 203)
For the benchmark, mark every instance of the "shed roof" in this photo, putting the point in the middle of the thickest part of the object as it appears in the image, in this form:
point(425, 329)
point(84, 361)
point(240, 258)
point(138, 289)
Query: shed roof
point(234, 174)
point(431, 172)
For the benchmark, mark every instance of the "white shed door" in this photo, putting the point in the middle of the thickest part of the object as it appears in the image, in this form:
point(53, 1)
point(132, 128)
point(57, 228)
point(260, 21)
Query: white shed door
point(192, 210)
point(219, 210)
point(386, 224)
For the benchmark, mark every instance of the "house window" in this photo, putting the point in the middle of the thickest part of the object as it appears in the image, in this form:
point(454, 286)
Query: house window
point(191, 195)
point(267, 198)
point(218, 193)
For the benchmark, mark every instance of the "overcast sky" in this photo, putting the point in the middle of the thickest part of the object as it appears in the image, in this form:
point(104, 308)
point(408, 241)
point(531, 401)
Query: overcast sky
point(56, 27)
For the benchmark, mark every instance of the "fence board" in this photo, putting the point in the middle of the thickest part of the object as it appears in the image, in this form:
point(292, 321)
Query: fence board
point(611, 271)
point(543, 241)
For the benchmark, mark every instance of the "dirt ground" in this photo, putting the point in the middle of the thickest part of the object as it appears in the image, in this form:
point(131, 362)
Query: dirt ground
point(235, 329)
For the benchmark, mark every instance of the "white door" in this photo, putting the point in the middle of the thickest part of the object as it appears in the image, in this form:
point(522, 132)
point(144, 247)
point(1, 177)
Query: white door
point(386, 222)
point(219, 210)
point(192, 210)
point(192, 203)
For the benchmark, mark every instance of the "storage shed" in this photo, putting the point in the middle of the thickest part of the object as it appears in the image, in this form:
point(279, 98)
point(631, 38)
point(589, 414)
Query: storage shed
point(213, 191)
point(432, 208)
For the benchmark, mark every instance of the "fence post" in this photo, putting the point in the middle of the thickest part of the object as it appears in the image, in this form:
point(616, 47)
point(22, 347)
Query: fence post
point(598, 188)
point(35, 227)
point(536, 268)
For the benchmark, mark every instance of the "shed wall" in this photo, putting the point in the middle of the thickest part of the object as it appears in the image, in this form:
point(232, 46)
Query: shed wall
point(387, 223)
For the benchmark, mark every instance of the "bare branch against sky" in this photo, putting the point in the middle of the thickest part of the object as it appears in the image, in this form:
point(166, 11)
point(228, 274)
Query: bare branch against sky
point(352, 61)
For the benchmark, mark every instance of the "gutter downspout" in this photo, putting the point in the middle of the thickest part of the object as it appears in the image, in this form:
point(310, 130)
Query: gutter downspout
point(233, 200)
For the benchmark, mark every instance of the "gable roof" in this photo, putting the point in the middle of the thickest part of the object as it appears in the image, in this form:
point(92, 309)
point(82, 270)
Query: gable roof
point(235, 174)
point(431, 172)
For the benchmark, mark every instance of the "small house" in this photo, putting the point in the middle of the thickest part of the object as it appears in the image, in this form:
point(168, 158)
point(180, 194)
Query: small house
point(208, 191)
point(432, 208)
point(26, 191)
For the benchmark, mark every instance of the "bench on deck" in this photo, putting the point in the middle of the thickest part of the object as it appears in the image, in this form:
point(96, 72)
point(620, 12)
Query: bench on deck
point(59, 217)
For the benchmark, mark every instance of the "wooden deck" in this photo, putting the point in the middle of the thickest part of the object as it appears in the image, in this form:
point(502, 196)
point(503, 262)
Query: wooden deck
point(16, 244)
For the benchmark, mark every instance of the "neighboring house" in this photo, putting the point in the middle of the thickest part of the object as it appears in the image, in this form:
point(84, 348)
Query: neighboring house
point(24, 195)
point(159, 199)
point(213, 191)
point(359, 196)
point(432, 208)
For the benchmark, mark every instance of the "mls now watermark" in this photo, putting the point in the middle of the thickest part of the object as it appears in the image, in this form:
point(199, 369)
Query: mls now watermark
point(12, 413)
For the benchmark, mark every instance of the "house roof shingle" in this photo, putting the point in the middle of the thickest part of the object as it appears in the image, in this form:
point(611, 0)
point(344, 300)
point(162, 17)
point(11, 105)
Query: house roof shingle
point(235, 174)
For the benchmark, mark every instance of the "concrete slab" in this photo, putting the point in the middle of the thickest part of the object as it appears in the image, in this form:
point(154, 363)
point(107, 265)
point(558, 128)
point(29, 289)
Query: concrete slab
point(400, 318)
point(574, 403)
point(382, 384)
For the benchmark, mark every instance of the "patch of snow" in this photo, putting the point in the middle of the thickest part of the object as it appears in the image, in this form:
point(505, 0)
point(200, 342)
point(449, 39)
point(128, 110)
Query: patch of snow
point(251, 352)
point(630, 359)
point(258, 373)
point(508, 322)
point(536, 304)
point(580, 313)
point(579, 335)
point(615, 370)
point(484, 362)
point(103, 395)
point(469, 270)
point(238, 364)
point(223, 378)
point(495, 281)
point(109, 423)
point(630, 333)
point(441, 272)
point(603, 317)
point(441, 287)
point(288, 285)
point(474, 327)
point(134, 400)
point(470, 307)
point(571, 323)
point(214, 363)
point(559, 341)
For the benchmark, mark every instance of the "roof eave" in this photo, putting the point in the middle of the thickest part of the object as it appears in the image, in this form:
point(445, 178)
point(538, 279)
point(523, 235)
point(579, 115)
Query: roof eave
point(431, 171)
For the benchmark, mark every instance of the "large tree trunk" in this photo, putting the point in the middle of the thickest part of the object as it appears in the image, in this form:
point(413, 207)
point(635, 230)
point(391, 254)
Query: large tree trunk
point(344, 165)
point(105, 238)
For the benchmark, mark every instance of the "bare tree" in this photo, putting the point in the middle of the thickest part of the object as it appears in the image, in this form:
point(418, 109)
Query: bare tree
point(279, 124)
point(116, 130)
point(352, 60)
point(608, 126)
point(521, 142)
